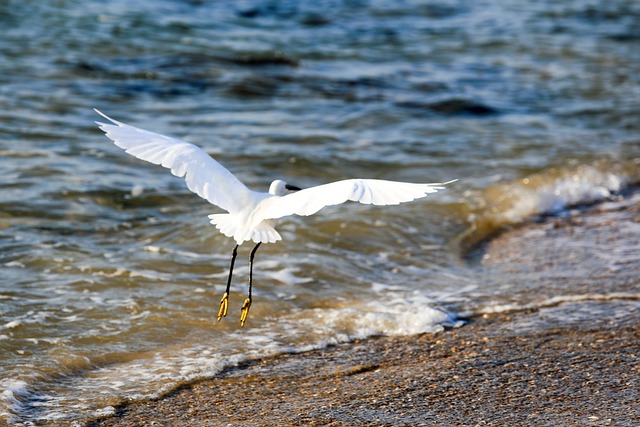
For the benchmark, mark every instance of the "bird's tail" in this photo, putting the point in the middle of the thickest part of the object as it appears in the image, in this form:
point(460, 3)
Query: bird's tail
point(225, 223)
point(228, 225)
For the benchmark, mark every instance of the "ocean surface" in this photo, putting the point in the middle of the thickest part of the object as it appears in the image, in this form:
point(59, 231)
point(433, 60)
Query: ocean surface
point(110, 274)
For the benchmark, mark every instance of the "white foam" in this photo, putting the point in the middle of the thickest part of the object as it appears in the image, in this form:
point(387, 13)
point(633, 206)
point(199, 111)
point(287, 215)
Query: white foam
point(402, 315)
point(154, 249)
point(549, 192)
point(15, 264)
point(587, 185)
point(557, 300)
point(137, 190)
point(106, 411)
point(156, 372)
point(12, 324)
point(11, 405)
point(287, 276)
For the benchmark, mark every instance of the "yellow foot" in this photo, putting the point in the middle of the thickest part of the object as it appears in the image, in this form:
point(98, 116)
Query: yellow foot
point(224, 305)
point(245, 311)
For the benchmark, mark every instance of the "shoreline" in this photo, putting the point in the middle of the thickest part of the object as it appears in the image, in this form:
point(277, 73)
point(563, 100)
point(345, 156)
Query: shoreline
point(530, 366)
point(479, 374)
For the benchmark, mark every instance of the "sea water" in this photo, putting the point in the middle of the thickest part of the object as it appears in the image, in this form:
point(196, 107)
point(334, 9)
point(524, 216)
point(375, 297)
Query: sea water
point(111, 276)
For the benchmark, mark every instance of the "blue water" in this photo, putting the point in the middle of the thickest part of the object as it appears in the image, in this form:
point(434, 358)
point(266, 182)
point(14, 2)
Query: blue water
point(110, 276)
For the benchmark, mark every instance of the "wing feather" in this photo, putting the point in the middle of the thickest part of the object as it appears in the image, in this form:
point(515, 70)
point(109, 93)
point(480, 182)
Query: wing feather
point(204, 175)
point(367, 191)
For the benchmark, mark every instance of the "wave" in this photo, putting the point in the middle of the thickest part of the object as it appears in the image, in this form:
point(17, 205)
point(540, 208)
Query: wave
point(550, 192)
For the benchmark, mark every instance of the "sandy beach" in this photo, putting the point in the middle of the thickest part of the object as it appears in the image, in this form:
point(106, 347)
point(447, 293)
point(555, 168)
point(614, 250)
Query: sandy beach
point(530, 366)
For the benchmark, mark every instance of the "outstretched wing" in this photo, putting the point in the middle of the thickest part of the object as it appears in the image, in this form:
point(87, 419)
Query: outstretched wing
point(205, 176)
point(366, 191)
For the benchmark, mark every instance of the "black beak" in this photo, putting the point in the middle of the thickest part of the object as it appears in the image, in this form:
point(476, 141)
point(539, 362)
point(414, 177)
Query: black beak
point(292, 187)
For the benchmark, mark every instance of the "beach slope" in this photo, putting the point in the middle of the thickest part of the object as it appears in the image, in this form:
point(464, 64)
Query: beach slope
point(538, 365)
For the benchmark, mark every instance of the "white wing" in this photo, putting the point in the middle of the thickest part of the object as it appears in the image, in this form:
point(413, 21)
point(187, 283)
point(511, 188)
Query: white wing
point(366, 191)
point(205, 176)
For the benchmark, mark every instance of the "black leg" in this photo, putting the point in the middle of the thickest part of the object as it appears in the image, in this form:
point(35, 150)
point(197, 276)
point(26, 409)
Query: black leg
point(253, 253)
point(233, 261)
point(224, 303)
point(247, 302)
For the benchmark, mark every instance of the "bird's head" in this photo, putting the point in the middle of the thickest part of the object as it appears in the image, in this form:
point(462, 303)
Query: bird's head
point(280, 188)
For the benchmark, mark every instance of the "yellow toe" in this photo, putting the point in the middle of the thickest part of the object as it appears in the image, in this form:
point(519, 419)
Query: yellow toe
point(224, 306)
point(245, 311)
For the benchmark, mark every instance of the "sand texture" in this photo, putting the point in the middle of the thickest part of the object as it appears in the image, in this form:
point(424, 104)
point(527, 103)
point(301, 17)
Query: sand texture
point(540, 365)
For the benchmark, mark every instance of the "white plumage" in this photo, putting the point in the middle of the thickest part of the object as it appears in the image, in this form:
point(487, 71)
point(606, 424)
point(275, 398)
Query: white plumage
point(251, 214)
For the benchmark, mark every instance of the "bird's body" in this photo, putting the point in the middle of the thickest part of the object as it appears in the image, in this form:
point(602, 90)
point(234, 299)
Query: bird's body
point(251, 215)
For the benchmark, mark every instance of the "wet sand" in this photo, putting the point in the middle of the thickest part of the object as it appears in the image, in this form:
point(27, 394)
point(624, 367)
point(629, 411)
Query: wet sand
point(532, 366)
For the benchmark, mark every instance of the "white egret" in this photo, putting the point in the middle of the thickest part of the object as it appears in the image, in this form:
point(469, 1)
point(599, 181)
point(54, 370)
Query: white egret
point(251, 215)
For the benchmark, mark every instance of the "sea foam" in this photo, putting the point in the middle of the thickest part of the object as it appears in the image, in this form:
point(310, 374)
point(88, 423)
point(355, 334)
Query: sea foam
point(551, 191)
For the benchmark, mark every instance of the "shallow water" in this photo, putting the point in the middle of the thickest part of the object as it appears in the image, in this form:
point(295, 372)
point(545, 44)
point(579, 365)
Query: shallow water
point(110, 276)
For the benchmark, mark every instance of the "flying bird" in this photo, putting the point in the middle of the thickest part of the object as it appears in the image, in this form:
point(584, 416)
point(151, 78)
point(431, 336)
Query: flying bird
point(251, 215)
